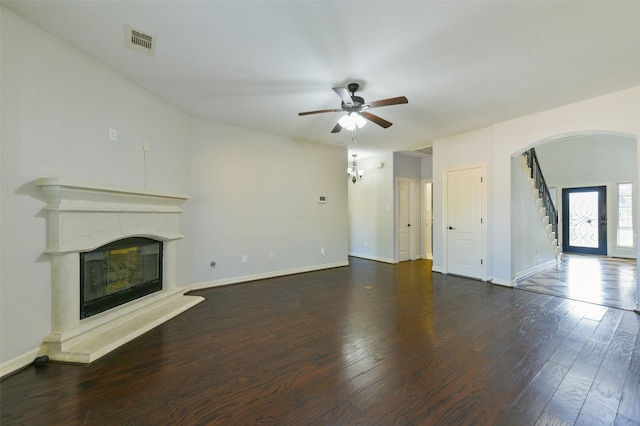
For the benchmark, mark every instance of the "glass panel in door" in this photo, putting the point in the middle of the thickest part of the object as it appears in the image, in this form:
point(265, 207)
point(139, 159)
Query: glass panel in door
point(584, 221)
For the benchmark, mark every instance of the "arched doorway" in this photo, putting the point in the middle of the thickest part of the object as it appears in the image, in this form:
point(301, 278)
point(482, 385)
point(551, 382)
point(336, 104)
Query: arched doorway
point(572, 161)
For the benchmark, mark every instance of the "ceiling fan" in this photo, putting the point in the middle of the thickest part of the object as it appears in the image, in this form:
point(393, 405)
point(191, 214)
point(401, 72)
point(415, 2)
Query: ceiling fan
point(355, 104)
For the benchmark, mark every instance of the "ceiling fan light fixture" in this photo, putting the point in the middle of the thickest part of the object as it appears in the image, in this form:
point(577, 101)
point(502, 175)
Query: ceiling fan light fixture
point(351, 120)
point(354, 106)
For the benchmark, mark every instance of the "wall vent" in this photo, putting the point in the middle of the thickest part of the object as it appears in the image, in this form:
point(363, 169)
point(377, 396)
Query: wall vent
point(140, 41)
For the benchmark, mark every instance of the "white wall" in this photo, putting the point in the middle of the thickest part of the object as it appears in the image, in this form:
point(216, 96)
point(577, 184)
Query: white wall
point(371, 210)
point(426, 166)
point(617, 112)
point(57, 107)
point(257, 195)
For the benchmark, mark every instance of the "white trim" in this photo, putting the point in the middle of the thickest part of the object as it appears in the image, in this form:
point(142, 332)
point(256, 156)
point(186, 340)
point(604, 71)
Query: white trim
point(423, 221)
point(21, 361)
point(536, 268)
point(273, 274)
point(375, 258)
point(504, 283)
point(411, 207)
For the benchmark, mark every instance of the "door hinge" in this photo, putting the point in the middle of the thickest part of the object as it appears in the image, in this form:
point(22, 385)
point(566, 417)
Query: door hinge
point(481, 220)
point(481, 262)
point(481, 179)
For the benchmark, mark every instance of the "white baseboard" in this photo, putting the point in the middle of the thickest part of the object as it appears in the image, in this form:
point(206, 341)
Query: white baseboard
point(273, 274)
point(535, 269)
point(376, 258)
point(505, 283)
point(21, 361)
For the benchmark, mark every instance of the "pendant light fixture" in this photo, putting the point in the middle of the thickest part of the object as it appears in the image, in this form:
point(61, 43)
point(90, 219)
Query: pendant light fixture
point(353, 173)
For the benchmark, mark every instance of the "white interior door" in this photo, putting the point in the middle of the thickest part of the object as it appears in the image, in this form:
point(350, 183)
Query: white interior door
point(464, 222)
point(404, 209)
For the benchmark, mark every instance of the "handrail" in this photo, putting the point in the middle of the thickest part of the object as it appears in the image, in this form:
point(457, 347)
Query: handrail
point(543, 189)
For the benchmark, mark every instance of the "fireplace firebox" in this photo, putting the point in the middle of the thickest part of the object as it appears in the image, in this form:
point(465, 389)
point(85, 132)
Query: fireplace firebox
point(119, 272)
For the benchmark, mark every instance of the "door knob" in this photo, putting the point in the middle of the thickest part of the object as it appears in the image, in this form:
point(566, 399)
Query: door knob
point(451, 227)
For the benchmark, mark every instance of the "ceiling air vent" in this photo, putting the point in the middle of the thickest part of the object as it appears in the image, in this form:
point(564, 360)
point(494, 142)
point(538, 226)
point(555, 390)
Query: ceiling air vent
point(140, 41)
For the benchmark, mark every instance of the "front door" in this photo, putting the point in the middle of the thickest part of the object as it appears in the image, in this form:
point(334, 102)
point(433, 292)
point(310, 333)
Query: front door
point(584, 220)
point(464, 222)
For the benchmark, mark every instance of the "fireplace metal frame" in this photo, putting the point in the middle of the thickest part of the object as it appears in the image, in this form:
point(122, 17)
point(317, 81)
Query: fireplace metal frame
point(94, 306)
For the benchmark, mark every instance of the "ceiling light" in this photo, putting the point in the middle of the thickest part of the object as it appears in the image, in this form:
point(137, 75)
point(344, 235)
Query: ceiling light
point(352, 172)
point(351, 120)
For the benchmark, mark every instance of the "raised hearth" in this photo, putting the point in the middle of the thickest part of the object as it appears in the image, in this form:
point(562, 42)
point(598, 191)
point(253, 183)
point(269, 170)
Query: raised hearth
point(83, 216)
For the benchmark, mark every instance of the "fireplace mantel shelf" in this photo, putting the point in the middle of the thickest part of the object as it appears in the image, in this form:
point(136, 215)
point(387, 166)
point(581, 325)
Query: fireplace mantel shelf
point(107, 189)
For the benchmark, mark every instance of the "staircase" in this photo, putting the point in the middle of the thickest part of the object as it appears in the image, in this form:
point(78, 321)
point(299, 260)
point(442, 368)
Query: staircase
point(548, 212)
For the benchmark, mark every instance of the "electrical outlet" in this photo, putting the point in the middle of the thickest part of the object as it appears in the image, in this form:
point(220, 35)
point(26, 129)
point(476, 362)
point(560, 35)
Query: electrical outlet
point(322, 251)
point(244, 258)
point(145, 146)
point(113, 135)
point(272, 255)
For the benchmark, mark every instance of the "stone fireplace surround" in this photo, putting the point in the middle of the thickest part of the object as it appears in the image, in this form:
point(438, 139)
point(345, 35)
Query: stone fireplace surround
point(83, 216)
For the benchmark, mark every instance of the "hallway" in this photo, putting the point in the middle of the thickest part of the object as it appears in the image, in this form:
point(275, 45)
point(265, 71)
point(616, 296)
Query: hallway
point(604, 281)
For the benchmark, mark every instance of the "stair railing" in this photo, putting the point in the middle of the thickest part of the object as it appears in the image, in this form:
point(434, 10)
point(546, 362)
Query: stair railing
point(543, 189)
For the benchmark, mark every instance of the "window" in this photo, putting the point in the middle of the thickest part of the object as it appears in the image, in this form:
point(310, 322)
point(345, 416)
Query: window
point(625, 215)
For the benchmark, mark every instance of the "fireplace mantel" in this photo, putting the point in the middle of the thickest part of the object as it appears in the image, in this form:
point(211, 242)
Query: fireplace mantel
point(82, 216)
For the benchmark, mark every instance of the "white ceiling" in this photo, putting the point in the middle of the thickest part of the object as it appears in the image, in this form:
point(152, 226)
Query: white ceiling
point(462, 64)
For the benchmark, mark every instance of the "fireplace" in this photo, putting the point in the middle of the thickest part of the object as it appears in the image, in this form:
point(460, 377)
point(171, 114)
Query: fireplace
point(113, 257)
point(119, 272)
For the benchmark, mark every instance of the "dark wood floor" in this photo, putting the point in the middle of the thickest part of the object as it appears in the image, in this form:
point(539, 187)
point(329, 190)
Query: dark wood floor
point(607, 281)
point(368, 344)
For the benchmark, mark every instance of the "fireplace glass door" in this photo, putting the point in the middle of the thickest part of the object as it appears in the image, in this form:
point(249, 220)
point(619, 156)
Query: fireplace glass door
point(118, 273)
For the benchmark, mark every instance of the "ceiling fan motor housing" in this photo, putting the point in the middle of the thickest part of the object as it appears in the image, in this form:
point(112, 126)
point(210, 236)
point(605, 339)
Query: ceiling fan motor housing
point(357, 103)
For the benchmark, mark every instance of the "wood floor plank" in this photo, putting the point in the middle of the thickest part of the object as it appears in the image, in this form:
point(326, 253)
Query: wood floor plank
point(630, 399)
point(603, 400)
point(568, 400)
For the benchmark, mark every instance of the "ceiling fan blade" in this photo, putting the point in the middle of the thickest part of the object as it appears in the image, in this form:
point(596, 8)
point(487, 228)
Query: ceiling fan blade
point(375, 119)
point(344, 95)
point(337, 128)
point(390, 101)
point(319, 111)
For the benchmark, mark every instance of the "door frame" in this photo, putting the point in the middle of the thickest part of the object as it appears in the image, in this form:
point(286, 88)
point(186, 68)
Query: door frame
point(412, 228)
point(483, 166)
point(603, 243)
point(426, 188)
